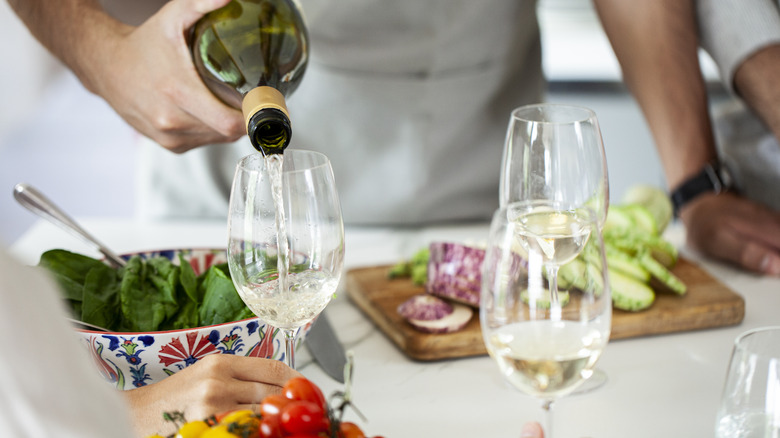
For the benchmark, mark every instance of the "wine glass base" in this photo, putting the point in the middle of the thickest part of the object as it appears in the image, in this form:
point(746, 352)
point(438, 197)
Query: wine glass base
point(594, 382)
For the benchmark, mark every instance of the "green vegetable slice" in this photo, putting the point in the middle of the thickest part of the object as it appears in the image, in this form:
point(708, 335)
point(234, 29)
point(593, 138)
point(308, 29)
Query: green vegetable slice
point(662, 275)
point(654, 200)
point(630, 294)
point(618, 260)
point(543, 302)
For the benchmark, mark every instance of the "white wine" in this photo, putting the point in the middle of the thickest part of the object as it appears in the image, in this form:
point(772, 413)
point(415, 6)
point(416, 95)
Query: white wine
point(558, 236)
point(546, 358)
point(251, 54)
point(306, 295)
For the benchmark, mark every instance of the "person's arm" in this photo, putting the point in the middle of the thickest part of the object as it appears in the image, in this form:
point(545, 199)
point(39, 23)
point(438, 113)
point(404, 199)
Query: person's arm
point(656, 42)
point(757, 81)
point(145, 73)
point(216, 384)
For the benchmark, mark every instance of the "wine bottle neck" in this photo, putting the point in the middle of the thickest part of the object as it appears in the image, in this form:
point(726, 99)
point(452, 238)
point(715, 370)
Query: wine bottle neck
point(267, 120)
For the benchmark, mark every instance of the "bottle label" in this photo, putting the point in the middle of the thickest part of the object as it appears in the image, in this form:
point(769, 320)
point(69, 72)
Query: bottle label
point(261, 98)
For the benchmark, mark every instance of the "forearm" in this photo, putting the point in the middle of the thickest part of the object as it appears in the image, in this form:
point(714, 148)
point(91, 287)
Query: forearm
point(656, 44)
point(757, 81)
point(77, 32)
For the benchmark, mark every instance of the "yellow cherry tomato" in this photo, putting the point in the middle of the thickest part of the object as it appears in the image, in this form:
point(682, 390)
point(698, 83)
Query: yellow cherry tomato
point(238, 416)
point(192, 429)
point(218, 431)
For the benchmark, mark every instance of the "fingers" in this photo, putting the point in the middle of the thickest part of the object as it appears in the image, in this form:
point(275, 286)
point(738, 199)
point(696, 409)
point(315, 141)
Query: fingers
point(731, 246)
point(736, 230)
point(532, 430)
point(248, 369)
point(196, 107)
point(759, 258)
point(268, 371)
point(190, 11)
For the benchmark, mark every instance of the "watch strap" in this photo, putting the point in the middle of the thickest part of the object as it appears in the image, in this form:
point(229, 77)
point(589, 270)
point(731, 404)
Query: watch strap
point(709, 180)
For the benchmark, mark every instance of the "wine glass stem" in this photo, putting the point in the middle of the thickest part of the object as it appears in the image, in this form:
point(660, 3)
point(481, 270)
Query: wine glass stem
point(552, 280)
point(548, 418)
point(289, 344)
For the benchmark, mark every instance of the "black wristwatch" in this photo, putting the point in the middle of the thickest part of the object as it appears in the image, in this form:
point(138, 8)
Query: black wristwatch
point(713, 178)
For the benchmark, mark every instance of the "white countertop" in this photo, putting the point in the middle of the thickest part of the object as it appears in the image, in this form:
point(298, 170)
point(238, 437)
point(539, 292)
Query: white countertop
point(662, 386)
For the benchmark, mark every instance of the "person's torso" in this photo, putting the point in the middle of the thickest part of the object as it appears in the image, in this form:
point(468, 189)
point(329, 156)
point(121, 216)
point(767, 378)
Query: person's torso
point(410, 100)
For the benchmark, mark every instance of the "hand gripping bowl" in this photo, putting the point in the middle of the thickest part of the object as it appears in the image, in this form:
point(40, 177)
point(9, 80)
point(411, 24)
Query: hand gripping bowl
point(132, 360)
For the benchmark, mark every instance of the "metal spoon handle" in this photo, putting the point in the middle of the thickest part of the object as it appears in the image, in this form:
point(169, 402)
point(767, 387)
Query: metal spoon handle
point(35, 201)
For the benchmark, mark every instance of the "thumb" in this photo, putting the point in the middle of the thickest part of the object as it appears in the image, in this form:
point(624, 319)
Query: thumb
point(532, 430)
point(190, 11)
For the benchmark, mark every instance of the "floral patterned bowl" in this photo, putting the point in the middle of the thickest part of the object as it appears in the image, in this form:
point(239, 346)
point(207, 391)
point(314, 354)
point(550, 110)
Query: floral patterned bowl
point(132, 360)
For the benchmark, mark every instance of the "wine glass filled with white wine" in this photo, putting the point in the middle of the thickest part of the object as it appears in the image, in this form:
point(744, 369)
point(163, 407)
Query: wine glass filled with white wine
point(286, 238)
point(546, 339)
point(554, 161)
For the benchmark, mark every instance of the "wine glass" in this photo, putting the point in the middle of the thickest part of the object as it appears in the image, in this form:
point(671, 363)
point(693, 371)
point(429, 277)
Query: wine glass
point(545, 341)
point(750, 405)
point(286, 238)
point(555, 153)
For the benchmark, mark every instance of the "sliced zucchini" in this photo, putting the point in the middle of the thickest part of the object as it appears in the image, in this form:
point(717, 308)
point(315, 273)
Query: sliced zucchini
point(662, 275)
point(572, 274)
point(543, 302)
point(642, 217)
point(630, 294)
point(633, 243)
point(654, 199)
point(618, 218)
point(618, 260)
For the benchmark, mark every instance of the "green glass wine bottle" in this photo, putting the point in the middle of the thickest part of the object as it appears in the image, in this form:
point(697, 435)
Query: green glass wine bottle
point(252, 54)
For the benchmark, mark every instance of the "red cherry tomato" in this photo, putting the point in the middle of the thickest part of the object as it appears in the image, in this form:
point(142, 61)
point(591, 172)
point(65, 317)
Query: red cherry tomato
point(271, 428)
point(350, 430)
point(304, 417)
point(272, 406)
point(300, 388)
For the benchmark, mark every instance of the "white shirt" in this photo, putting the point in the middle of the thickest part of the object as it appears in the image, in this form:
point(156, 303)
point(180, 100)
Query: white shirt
point(48, 385)
point(410, 100)
point(732, 31)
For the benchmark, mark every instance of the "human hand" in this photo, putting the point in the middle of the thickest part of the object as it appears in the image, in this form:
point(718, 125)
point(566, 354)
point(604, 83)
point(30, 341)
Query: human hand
point(146, 74)
point(532, 430)
point(737, 230)
point(214, 384)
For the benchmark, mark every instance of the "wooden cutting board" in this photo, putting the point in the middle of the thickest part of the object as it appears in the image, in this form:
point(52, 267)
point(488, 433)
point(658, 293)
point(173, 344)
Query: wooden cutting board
point(707, 304)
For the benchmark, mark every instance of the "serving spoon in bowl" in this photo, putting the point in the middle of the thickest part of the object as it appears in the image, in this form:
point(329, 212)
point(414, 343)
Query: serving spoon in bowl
point(35, 201)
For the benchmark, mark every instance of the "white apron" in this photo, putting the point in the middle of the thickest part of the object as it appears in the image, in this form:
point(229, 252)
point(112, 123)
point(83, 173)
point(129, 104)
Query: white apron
point(408, 98)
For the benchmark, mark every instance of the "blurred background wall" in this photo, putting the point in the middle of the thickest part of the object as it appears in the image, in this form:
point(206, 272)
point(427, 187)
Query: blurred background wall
point(71, 145)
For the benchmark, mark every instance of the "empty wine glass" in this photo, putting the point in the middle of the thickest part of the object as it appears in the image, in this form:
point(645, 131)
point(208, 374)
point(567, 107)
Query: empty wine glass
point(554, 153)
point(286, 238)
point(750, 405)
point(545, 341)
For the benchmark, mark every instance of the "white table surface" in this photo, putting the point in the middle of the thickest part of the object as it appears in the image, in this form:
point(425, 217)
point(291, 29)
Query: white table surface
point(661, 386)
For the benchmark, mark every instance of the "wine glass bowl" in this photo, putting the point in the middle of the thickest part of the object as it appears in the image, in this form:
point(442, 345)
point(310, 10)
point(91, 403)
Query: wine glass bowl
point(555, 152)
point(286, 238)
point(546, 341)
point(750, 404)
